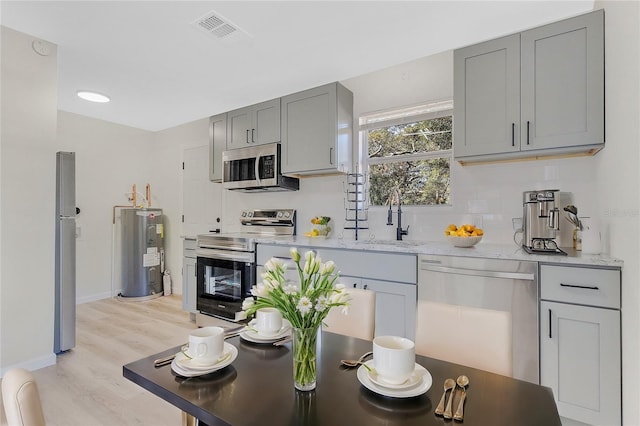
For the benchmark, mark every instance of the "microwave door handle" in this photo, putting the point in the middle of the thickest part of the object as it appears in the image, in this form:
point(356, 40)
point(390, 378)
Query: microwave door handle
point(258, 169)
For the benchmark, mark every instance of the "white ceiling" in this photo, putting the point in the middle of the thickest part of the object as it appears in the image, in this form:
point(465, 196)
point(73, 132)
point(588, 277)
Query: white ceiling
point(161, 71)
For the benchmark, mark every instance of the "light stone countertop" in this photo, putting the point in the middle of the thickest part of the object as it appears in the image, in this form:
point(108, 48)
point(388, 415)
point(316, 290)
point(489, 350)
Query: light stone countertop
point(483, 250)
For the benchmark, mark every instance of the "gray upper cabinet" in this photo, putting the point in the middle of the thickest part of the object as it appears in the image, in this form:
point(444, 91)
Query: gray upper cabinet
point(254, 125)
point(317, 129)
point(537, 93)
point(563, 83)
point(487, 97)
point(217, 145)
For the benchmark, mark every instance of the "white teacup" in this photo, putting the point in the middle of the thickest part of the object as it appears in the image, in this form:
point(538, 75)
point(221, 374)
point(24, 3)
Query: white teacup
point(268, 321)
point(206, 345)
point(394, 358)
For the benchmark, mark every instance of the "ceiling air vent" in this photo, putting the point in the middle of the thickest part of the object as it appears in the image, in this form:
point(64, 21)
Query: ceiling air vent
point(219, 27)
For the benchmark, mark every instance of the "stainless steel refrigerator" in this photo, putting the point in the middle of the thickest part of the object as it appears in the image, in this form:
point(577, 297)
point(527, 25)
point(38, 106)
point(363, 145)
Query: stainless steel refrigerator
point(64, 337)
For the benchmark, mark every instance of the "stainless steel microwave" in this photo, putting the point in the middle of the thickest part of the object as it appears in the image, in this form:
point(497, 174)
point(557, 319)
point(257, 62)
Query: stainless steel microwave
point(256, 169)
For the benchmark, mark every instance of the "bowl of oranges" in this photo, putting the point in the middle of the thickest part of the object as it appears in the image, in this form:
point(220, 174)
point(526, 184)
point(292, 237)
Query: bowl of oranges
point(464, 235)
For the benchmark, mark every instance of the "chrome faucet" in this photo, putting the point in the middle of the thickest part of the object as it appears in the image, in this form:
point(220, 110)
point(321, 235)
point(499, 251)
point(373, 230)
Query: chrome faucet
point(399, 231)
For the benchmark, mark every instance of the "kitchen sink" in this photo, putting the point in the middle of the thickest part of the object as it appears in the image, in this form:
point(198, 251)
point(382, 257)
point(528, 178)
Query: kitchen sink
point(395, 243)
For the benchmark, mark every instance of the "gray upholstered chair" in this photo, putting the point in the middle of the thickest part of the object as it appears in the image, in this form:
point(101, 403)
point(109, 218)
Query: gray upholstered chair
point(360, 321)
point(21, 399)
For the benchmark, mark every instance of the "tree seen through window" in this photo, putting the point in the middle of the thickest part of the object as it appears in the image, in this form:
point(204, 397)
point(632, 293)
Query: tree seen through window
point(414, 158)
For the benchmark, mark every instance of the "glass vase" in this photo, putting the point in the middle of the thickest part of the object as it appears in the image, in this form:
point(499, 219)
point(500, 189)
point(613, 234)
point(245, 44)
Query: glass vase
point(304, 358)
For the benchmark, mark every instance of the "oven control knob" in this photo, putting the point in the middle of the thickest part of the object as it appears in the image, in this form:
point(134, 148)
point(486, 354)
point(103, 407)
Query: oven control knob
point(279, 215)
point(287, 215)
point(250, 214)
point(244, 214)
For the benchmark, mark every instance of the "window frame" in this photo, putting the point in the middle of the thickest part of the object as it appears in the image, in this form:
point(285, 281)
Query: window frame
point(406, 115)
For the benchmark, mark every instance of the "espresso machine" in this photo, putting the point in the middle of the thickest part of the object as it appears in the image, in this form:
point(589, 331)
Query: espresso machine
point(540, 222)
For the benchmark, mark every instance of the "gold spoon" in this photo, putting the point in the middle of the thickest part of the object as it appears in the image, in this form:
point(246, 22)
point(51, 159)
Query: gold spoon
point(354, 362)
point(448, 385)
point(463, 382)
point(448, 413)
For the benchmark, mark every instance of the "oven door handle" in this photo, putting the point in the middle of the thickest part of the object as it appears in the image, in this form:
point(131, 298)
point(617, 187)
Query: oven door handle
point(478, 273)
point(225, 255)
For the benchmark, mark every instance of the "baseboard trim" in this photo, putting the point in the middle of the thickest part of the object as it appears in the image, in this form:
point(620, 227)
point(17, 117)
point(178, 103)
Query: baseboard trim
point(93, 297)
point(33, 364)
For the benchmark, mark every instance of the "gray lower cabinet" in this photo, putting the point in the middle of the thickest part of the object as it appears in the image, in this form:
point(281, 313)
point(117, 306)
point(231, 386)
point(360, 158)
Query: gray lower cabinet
point(395, 305)
point(580, 342)
point(317, 127)
point(536, 93)
point(189, 290)
point(217, 145)
point(392, 276)
point(254, 125)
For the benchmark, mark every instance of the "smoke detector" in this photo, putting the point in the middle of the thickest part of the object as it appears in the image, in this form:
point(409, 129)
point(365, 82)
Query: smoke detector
point(217, 26)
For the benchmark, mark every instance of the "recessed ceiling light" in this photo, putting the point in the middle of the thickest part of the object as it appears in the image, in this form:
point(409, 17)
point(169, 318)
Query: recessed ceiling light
point(93, 96)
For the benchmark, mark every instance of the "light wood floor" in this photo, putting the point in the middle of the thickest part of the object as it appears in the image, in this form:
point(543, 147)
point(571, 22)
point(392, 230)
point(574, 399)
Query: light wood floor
point(86, 386)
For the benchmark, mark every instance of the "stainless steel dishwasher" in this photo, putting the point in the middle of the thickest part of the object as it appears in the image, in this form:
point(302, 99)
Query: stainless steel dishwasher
point(485, 296)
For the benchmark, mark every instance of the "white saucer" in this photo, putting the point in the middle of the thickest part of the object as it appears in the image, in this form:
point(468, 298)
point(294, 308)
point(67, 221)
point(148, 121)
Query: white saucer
point(413, 380)
point(185, 367)
point(255, 336)
point(420, 383)
point(189, 361)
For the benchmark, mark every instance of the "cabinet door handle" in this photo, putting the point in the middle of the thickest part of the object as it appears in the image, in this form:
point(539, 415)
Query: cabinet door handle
point(528, 132)
point(247, 135)
point(586, 287)
point(354, 285)
point(513, 134)
point(252, 138)
point(549, 323)
point(331, 156)
point(366, 286)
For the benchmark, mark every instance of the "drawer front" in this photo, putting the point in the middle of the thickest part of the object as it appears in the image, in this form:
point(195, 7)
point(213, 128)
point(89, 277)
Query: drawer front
point(584, 286)
point(264, 252)
point(189, 248)
point(354, 263)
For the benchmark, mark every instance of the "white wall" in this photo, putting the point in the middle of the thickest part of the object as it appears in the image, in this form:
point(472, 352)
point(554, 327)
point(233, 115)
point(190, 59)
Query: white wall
point(110, 158)
point(617, 178)
point(27, 138)
point(169, 147)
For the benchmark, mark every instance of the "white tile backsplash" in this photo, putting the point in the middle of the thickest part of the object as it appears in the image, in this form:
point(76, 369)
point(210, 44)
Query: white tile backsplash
point(488, 196)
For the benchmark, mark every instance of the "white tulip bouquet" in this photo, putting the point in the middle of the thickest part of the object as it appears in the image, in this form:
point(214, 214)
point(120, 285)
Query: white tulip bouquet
point(304, 305)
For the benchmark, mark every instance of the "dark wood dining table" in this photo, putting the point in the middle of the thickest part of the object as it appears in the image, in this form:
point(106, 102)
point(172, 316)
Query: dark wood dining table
point(257, 389)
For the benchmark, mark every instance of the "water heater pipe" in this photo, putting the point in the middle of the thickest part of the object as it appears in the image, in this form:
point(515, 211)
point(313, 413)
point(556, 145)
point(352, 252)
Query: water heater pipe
point(148, 195)
point(134, 196)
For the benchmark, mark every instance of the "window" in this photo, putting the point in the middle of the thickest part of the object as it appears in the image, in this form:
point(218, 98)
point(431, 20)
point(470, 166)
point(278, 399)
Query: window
point(409, 149)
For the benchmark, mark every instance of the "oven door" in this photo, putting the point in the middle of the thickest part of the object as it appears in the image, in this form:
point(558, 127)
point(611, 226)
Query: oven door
point(223, 282)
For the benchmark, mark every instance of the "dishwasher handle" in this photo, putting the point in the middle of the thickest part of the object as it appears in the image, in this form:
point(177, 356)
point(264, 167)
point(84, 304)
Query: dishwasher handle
point(478, 272)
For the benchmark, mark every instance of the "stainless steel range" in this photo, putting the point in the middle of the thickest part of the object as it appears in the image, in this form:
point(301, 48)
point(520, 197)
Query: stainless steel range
point(226, 263)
